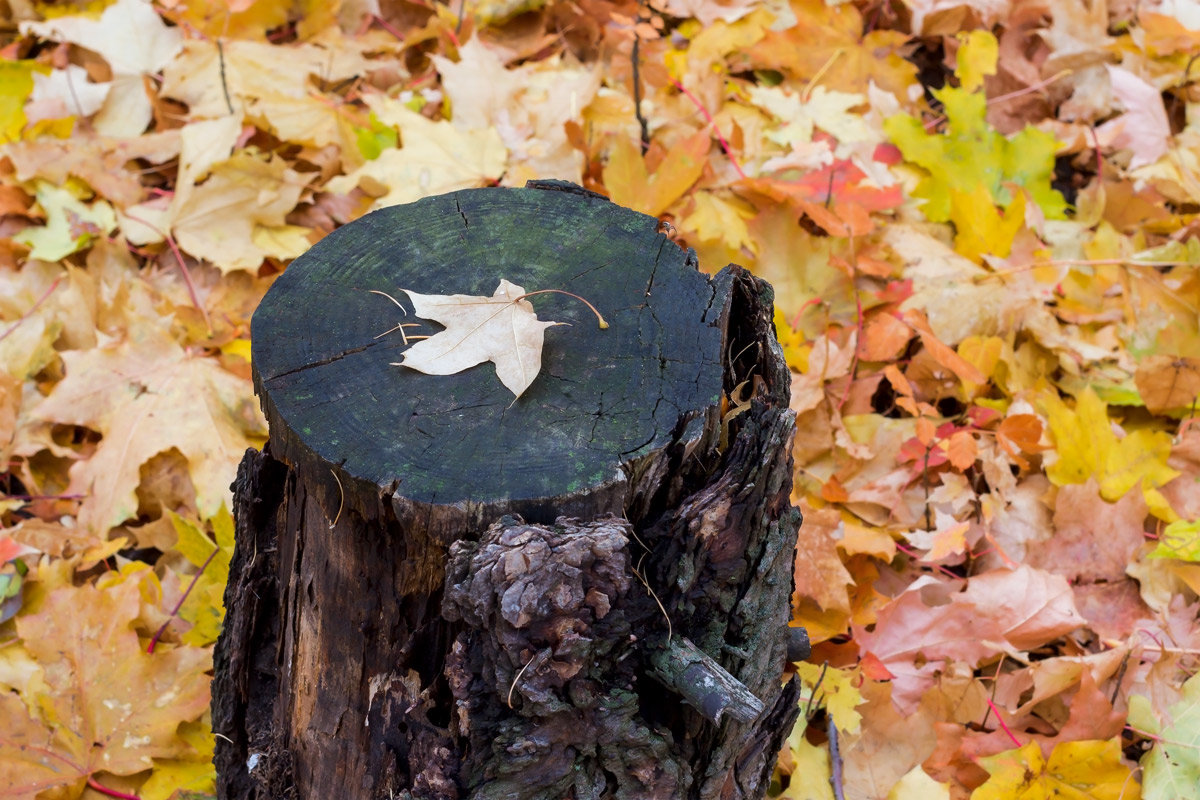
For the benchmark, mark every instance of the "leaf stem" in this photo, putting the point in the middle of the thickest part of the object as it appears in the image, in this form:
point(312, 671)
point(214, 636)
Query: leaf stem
point(158, 634)
point(599, 317)
point(32, 308)
point(102, 789)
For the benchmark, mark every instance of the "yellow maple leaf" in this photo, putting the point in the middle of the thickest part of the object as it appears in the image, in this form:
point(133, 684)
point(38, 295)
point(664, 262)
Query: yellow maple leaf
point(630, 183)
point(1087, 447)
point(837, 693)
point(979, 228)
point(1085, 770)
point(977, 57)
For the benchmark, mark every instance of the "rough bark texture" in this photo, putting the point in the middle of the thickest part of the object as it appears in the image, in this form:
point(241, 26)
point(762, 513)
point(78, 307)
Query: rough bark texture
point(625, 639)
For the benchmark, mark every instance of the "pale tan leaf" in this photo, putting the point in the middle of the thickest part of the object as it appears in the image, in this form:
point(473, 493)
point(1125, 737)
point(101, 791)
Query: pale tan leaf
point(502, 329)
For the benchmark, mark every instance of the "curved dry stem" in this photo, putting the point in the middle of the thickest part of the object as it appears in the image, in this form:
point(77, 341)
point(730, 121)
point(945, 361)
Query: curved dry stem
point(603, 322)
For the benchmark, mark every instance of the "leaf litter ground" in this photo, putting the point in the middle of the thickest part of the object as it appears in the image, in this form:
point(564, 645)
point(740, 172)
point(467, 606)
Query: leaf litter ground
point(981, 223)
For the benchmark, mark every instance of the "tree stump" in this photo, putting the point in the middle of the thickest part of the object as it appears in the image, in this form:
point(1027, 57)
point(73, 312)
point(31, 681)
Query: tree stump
point(441, 592)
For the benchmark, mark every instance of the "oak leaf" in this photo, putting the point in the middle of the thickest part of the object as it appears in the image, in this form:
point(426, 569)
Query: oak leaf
point(503, 329)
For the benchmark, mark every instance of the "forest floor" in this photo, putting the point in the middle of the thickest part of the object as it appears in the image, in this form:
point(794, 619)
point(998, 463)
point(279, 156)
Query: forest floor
point(981, 222)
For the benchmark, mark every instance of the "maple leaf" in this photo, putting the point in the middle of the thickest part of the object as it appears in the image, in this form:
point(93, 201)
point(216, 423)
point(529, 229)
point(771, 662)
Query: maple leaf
point(204, 606)
point(436, 158)
point(1144, 128)
point(17, 79)
point(528, 106)
point(1083, 769)
point(147, 395)
point(503, 329)
point(97, 160)
point(107, 705)
point(931, 621)
point(134, 40)
point(629, 181)
point(1172, 767)
point(828, 41)
point(267, 83)
point(1087, 446)
point(971, 164)
point(834, 197)
point(70, 223)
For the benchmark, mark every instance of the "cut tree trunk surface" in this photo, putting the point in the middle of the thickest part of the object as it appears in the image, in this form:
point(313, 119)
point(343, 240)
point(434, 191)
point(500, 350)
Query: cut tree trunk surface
point(330, 389)
point(441, 592)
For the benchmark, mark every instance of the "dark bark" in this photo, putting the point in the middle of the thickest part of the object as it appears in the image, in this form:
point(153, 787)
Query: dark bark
point(440, 593)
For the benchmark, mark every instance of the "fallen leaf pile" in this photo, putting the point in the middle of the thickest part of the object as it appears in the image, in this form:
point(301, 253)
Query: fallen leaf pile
point(981, 221)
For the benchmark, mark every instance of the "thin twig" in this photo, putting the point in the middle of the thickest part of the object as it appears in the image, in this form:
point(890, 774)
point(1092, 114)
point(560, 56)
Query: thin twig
point(666, 616)
point(224, 84)
point(1000, 719)
point(599, 317)
point(636, 57)
point(532, 658)
point(341, 498)
point(835, 759)
point(813, 695)
point(1120, 677)
point(387, 26)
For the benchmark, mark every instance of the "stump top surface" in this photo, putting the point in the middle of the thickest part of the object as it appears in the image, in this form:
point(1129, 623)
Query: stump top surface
point(603, 397)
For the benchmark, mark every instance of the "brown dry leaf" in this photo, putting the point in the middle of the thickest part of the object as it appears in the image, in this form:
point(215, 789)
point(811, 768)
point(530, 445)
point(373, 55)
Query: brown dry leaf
point(1183, 491)
point(236, 218)
point(1168, 382)
point(108, 706)
point(932, 621)
point(1093, 540)
point(134, 40)
point(961, 450)
point(827, 43)
point(1144, 128)
point(267, 83)
point(503, 329)
point(97, 160)
point(888, 745)
point(884, 338)
point(147, 395)
point(819, 572)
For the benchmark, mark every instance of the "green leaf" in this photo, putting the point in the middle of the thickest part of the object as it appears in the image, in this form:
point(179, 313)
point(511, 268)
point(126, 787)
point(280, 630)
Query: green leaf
point(1171, 770)
point(375, 138)
point(970, 154)
point(1180, 539)
point(71, 224)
